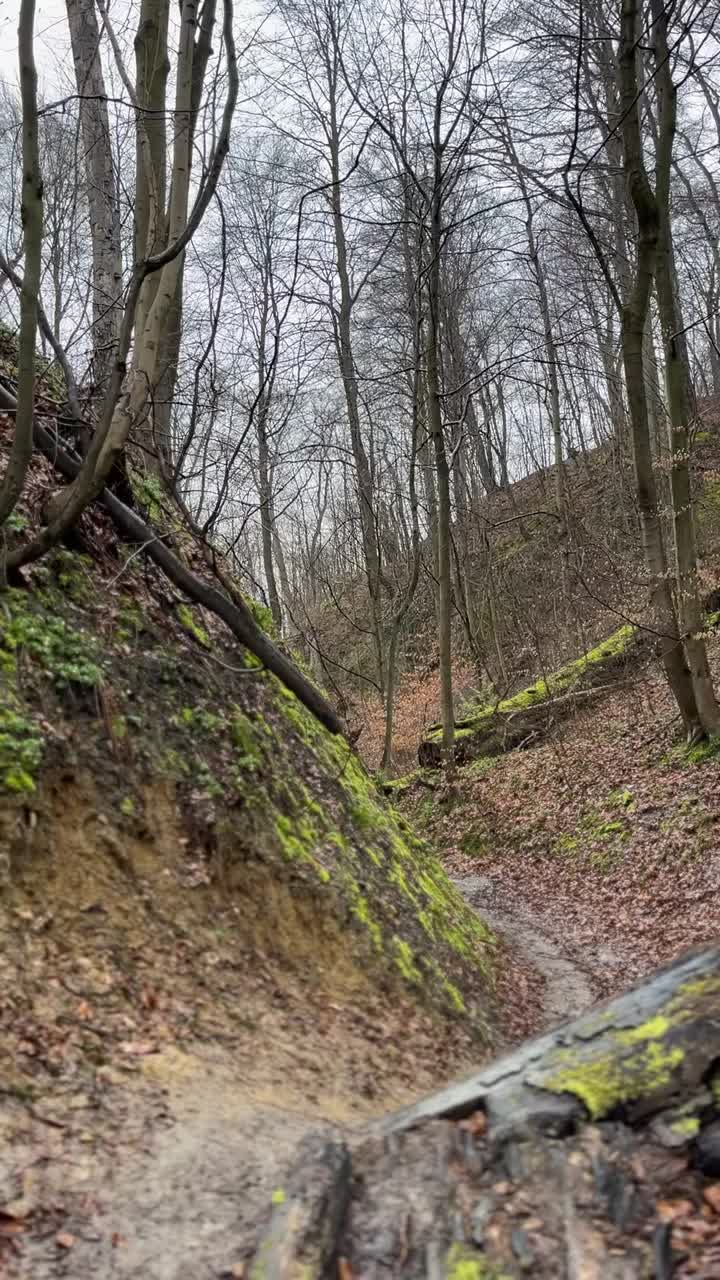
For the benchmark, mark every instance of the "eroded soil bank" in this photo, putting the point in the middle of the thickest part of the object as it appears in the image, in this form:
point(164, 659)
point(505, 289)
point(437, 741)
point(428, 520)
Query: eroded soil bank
point(164, 1165)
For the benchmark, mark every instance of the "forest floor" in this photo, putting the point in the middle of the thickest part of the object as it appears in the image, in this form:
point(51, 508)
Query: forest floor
point(165, 1165)
point(595, 854)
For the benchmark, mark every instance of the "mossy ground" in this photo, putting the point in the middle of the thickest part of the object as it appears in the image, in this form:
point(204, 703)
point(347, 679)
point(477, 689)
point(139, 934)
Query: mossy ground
point(94, 676)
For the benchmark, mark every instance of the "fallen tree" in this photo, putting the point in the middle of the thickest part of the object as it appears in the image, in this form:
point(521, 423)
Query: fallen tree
point(510, 722)
point(583, 1154)
point(235, 613)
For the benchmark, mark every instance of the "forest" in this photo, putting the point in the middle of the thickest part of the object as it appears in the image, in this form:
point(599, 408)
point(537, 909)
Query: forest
point(360, 639)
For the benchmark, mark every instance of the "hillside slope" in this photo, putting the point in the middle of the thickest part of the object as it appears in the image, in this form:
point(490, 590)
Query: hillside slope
point(528, 626)
point(207, 909)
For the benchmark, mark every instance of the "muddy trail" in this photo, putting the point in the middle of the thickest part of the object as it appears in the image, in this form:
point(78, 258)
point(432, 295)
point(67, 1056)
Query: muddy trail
point(194, 1157)
point(567, 987)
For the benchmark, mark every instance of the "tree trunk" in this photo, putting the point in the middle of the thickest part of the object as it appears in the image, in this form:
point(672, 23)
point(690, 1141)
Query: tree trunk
point(169, 355)
point(13, 480)
point(101, 187)
point(634, 320)
point(558, 1160)
point(152, 68)
point(267, 516)
point(677, 374)
point(348, 374)
point(442, 469)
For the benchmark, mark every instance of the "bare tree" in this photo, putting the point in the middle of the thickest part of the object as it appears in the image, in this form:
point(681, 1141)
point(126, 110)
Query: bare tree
point(21, 452)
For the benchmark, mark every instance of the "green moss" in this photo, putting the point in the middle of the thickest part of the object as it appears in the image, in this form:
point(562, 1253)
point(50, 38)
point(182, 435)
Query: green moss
point(605, 1084)
point(278, 1196)
point(149, 493)
point(173, 764)
point(187, 621)
point(361, 911)
point(16, 522)
point(596, 838)
point(694, 988)
point(129, 620)
point(127, 807)
point(262, 615)
point(481, 766)
point(686, 1127)
point(464, 1263)
point(475, 840)
point(650, 1030)
point(207, 781)
point(119, 728)
point(405, 961)
point(454, 997)
point(199, 718)
point(618, 1077)
point(244, 738)
point(622, 798)
point(703, 752)
point(72, 572)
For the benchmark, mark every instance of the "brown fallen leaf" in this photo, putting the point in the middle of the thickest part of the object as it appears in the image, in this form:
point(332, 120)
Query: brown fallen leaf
point(345, 1271)
point(64, 1240)
point(671, 1210)
point(711, 1196)
point(475, 1124)
point(10, 1226)
point(20, 1208)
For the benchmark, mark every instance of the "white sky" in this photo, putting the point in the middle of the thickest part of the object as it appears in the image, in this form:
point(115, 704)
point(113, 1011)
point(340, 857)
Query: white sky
point(52, 48)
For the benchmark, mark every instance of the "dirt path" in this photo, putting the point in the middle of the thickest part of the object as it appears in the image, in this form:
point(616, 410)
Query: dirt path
point(179, 1194)
point(194, 1156)
point(568, 989)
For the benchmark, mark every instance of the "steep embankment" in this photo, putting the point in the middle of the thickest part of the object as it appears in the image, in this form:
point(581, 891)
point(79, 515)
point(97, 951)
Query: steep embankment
point(208, 915)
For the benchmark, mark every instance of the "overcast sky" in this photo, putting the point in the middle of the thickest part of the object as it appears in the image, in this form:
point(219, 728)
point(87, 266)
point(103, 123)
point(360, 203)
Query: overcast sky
point(51, 42)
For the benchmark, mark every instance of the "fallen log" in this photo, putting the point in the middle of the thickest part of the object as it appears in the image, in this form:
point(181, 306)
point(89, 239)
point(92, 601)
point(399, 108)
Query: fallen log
point(523, 717)
point(582, 1155)
point(300, 1240)
point(628, 1057)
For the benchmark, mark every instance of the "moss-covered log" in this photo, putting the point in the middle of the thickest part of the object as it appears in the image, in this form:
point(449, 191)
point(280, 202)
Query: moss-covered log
point(630, 1056)
point(307, 1213)
point(584, 1154)
point(492, 729)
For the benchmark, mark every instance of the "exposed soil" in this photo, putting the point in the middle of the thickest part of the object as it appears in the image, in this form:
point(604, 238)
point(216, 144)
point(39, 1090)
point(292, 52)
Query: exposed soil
point(161, 1059)
point(175, 1191)
point(163, 1166)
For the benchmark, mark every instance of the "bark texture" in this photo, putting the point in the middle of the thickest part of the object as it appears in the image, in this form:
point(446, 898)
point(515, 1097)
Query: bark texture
point(634, 320)
point(557, 1161)
point(100, 184)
